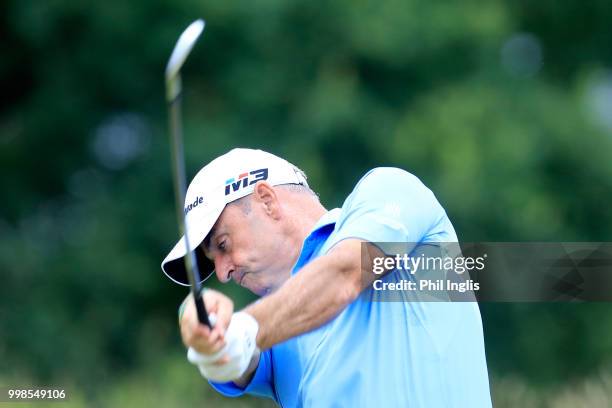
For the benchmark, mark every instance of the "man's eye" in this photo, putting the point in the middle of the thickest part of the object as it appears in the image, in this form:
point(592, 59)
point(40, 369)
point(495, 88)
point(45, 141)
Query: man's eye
point(221, 246)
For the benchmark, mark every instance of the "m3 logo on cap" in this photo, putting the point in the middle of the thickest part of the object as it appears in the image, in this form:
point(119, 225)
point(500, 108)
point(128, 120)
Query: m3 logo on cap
point(245, 179)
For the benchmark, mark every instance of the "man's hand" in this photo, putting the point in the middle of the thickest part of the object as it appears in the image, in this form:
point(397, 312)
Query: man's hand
point(227, 352)
point(198, 336)
point(237, 360)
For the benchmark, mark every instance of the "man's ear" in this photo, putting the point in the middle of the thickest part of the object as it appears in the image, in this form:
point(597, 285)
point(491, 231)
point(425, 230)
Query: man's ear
point(265, 194)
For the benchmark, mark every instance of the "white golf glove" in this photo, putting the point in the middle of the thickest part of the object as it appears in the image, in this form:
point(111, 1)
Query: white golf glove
point(239, 347)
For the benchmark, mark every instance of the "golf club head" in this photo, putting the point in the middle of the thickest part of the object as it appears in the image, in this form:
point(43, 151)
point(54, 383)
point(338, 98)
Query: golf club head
point(180, 53)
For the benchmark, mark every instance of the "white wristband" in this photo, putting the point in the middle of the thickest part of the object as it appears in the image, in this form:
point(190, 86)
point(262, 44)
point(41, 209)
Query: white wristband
point(239, 349)
point(197, 358)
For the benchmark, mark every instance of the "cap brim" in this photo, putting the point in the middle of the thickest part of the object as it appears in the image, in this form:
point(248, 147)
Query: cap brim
point(176, 271)
point(198, 228)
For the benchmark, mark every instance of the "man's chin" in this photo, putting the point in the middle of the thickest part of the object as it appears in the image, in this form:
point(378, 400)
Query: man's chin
point(254, 288)
point(259, 291)
point(258, 283)
point(247, 283)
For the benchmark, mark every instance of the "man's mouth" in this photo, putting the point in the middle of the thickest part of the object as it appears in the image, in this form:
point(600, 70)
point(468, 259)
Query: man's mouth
point(239, 277)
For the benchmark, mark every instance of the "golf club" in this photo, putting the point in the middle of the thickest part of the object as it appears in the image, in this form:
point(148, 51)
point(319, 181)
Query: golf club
point(173, 96)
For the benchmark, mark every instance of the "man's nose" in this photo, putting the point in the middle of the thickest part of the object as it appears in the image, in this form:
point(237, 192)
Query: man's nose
point(224, 268)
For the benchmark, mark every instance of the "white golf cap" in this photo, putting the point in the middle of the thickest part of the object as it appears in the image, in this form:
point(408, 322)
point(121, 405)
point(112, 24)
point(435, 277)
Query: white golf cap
point(223, 180)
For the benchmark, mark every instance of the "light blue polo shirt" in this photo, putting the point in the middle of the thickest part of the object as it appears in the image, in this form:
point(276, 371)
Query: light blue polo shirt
point(380, 354)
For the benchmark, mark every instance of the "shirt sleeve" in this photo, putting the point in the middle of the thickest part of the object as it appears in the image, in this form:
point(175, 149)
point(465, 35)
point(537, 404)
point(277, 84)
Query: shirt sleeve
point(260, 385)
point(391, 205)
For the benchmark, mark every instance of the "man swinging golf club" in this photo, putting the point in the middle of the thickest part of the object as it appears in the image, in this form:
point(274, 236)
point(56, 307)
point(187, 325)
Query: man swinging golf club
point(317, 337)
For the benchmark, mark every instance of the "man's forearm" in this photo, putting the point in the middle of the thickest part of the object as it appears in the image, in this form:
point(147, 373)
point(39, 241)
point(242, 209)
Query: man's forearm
point(310, 298)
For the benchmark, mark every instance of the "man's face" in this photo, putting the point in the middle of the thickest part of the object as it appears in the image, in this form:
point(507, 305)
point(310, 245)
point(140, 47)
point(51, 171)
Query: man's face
point(247, 246)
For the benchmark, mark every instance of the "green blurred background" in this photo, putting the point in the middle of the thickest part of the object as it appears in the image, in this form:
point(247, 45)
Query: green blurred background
point(503, 108)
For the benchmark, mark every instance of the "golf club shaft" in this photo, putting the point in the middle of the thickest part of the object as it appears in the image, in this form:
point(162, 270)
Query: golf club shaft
point(178, 167)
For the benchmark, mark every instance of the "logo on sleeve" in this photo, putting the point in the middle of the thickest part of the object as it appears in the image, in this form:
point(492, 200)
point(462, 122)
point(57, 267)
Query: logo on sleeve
point(245, 179)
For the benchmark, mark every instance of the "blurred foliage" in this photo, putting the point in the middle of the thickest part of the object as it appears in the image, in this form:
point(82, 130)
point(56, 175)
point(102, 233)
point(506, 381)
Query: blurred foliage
point(503, 108)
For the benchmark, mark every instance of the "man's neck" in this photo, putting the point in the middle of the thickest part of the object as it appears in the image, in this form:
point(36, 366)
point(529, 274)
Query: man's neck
point(308, 217)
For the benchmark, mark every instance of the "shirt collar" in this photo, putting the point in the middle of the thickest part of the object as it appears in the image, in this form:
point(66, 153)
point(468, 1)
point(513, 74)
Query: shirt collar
point(316, 238)
point(330, 217)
